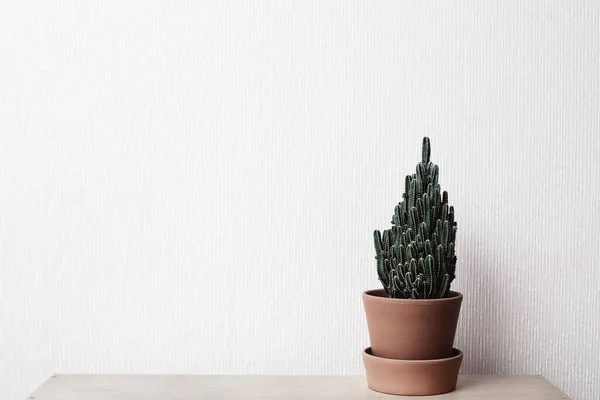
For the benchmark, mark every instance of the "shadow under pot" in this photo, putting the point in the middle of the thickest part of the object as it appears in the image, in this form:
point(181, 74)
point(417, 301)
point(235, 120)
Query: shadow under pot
point(409, 329)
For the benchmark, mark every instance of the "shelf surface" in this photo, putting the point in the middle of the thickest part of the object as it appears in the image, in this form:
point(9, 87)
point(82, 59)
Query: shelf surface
point(188, 387)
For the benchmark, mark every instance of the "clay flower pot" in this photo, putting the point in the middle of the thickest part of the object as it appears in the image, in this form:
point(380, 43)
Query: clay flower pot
point(412, 377)
point(408, 329)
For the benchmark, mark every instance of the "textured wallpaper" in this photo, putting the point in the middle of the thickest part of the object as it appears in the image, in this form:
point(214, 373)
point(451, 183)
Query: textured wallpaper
point(191, 187)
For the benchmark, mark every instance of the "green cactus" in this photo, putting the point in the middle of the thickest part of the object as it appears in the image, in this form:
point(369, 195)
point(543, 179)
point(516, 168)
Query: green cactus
point(415, 258)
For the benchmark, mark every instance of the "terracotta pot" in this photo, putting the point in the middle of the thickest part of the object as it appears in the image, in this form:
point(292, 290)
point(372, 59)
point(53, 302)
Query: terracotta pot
point(408, 329)
point(412, 377)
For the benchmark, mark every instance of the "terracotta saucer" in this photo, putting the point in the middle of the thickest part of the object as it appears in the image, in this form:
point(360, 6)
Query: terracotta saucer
point(412, 377)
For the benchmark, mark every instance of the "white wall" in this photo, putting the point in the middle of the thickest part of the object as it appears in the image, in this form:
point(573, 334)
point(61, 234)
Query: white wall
point(192, 188)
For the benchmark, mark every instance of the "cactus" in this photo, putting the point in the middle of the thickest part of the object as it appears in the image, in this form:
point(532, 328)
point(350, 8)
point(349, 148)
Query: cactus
point(415, 257)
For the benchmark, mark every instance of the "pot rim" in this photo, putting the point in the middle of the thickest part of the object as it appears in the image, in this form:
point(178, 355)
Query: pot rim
point(370, 295)
point(434, 361)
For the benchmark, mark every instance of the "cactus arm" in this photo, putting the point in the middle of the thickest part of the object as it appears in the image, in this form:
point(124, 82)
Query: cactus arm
point(384, 273)
point(414, 293)
point(414, 219)
point(398, 286)
point(421, 235)
point(444, 287)
point(430, 278)
point(439, 259)
point(450, 250)
point(377, 240)
point(396, 254)
point(409, 279)
point(428, 247)
point(421, 266)
point(409, 252)
point(386, 240)
point(413, 267)
point(421, 287)
point(444, 212)
point(378, 257)
point(445, 236)
point(402, 254)
point(426, 150)
point(453, 234)
point(412, 194)
point(391, 288)
point(424, 231)
point(420, 209)
point(427, 209)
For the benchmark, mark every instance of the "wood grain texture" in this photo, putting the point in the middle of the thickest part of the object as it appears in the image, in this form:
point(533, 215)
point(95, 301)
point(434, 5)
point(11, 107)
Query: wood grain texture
point(191, 187)
point(131, 387)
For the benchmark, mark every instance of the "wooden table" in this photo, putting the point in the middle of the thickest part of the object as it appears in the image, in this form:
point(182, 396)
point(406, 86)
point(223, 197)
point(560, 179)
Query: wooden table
point(188, 387)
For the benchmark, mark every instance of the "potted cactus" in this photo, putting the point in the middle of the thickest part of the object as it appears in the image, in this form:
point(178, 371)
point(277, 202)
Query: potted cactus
point(412, 319)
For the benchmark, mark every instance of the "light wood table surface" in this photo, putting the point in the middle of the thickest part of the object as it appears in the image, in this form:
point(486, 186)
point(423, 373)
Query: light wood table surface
point(190, 387)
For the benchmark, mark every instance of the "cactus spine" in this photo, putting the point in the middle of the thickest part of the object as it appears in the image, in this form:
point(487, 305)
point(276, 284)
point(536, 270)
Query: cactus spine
point(415, 257)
